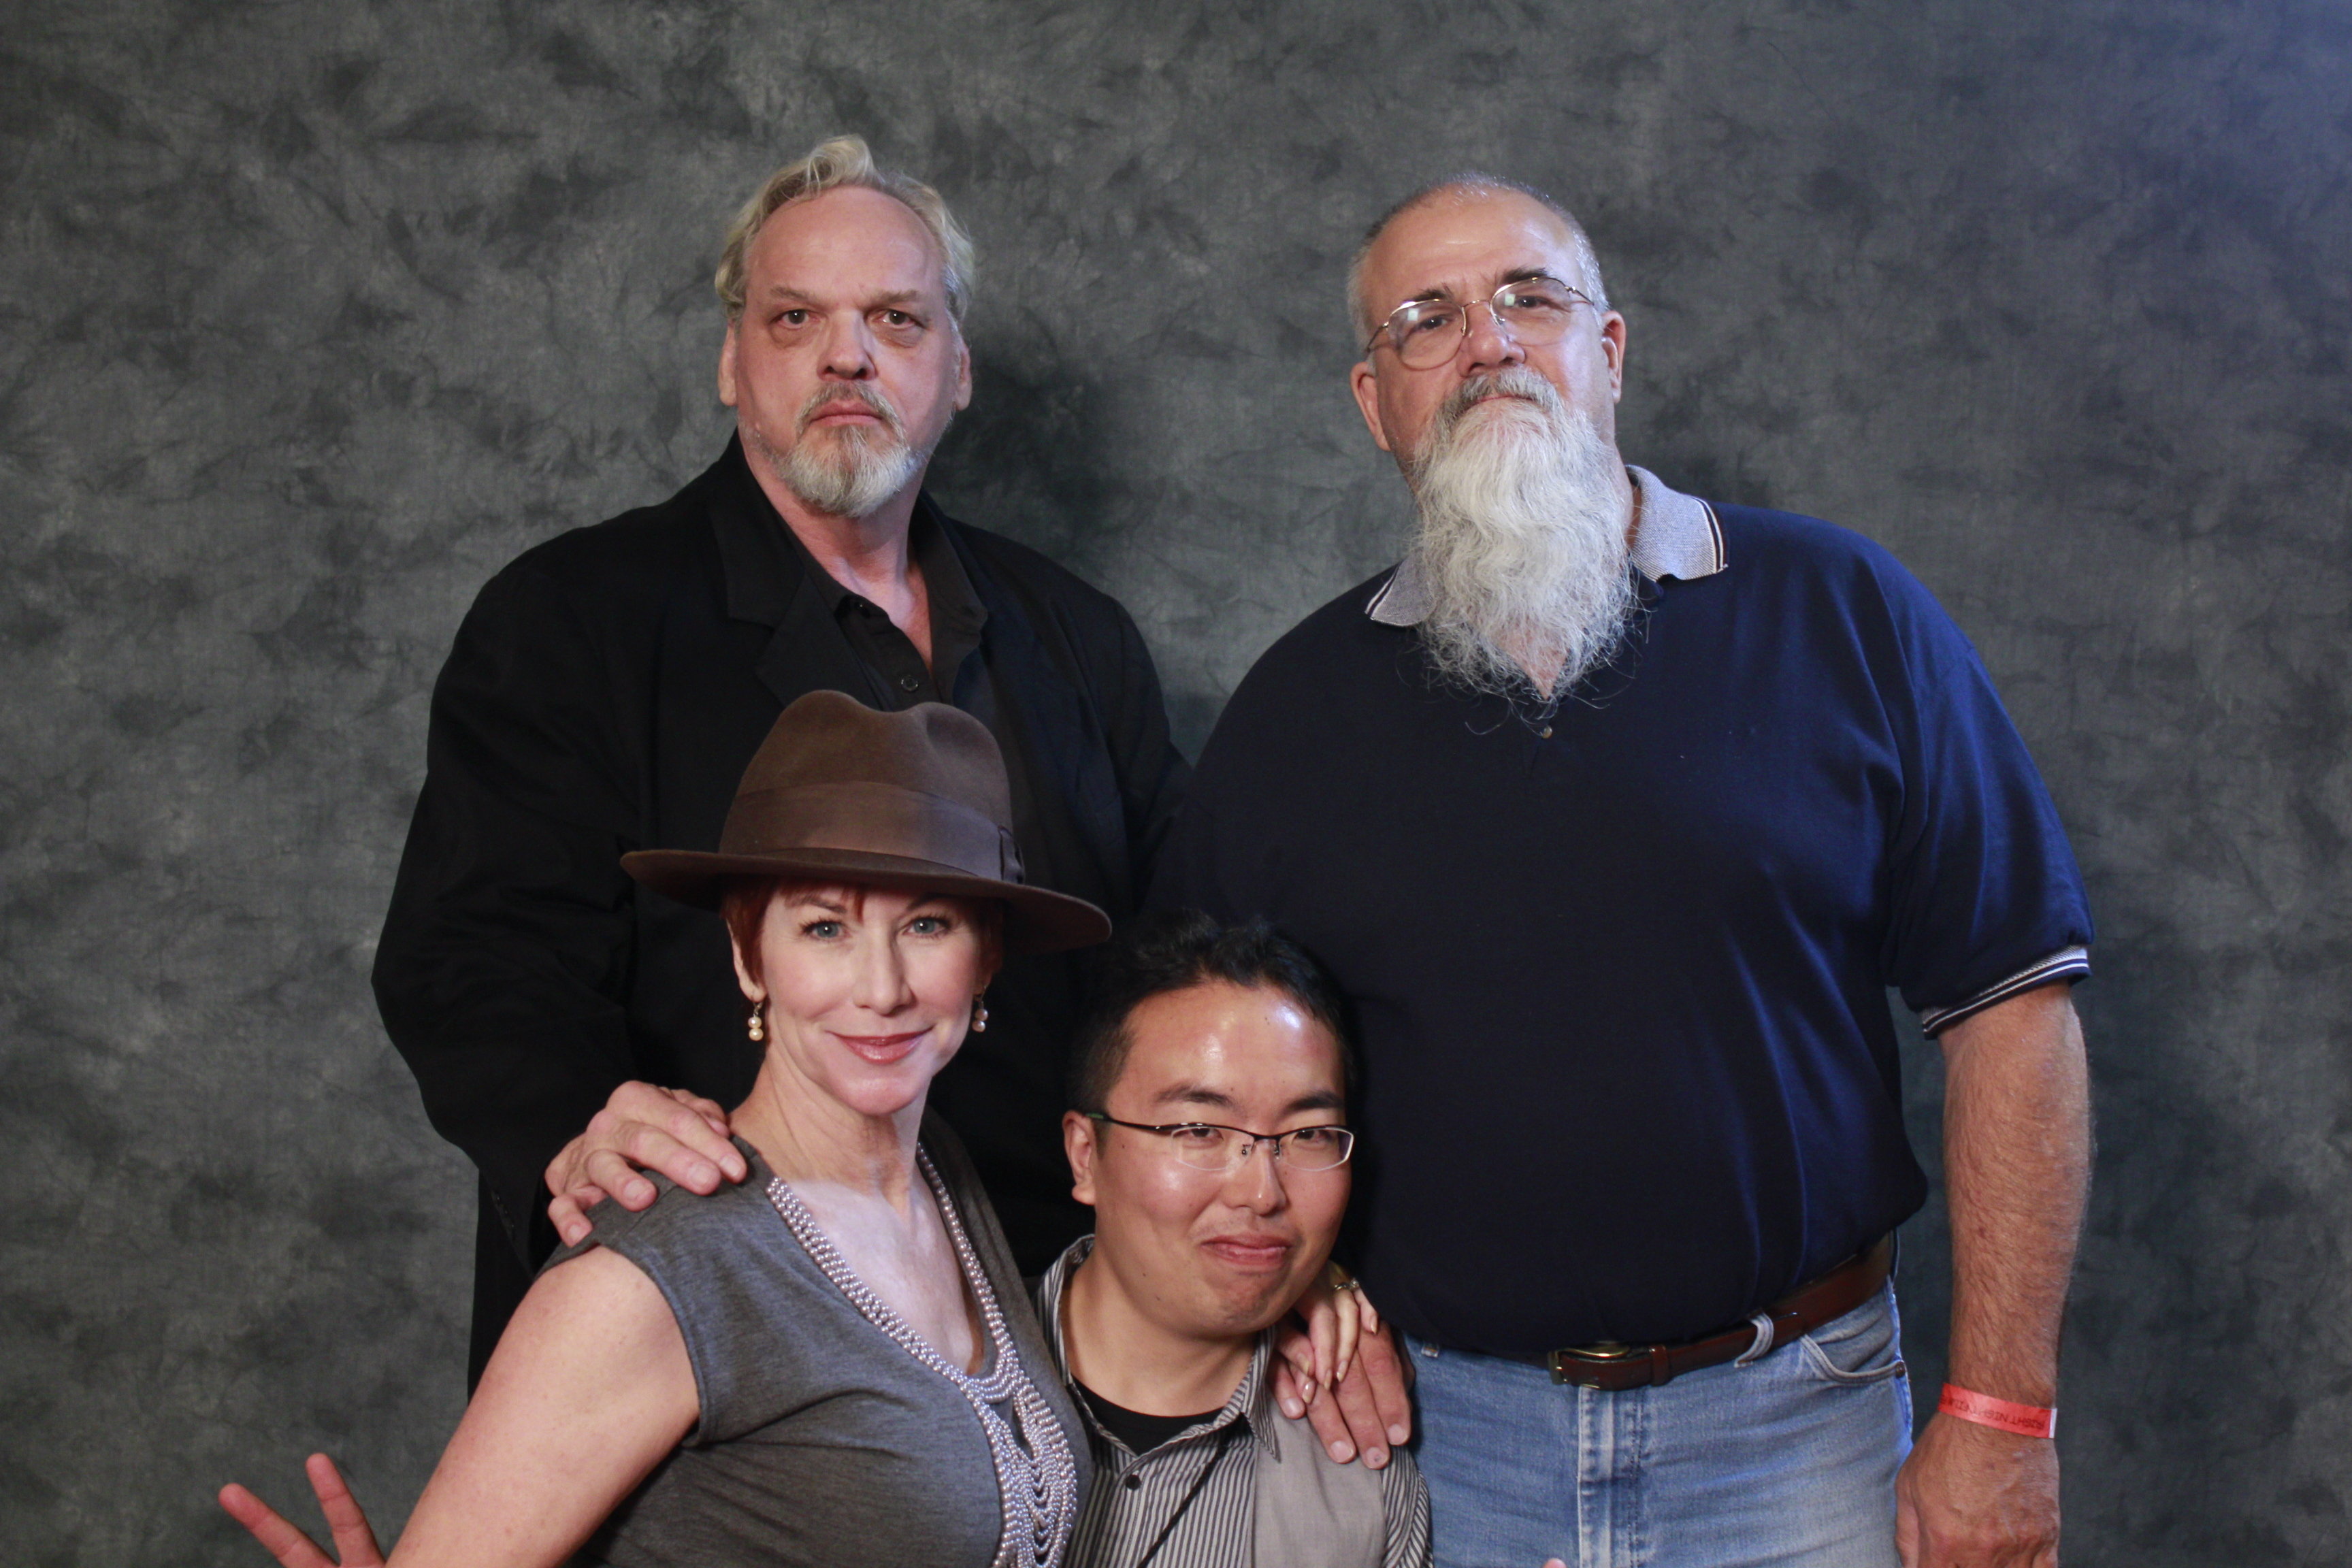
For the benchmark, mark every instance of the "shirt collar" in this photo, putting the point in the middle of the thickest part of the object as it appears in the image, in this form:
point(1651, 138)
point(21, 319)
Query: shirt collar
point(1675, 535)
point(1252, 1401)
point(953, 604)
point(766, 563)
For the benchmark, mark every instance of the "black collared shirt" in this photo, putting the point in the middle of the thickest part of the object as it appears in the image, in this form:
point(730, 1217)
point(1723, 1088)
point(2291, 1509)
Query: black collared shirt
point(898, 677)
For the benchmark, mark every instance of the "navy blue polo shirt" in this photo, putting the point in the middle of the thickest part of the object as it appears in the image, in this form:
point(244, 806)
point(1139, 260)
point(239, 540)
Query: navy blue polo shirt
point(1619, 976)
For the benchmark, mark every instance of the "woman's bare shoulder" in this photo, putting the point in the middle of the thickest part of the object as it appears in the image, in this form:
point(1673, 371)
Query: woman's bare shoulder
point(596, 1301)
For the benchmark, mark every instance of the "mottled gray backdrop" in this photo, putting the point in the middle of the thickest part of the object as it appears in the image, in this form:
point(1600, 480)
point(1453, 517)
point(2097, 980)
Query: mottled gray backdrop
point(314, 314)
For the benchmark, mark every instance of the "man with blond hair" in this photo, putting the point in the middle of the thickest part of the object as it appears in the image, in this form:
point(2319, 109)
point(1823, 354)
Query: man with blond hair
point(1615, 812)
point(607, 687)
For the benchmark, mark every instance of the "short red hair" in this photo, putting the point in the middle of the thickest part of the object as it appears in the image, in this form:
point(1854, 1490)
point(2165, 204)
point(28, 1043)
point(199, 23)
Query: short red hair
point(745, 901)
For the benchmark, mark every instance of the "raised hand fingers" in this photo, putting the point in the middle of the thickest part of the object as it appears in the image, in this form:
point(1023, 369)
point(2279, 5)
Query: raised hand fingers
point(355, 1541)
point(279, 1539)
point(354, 1538)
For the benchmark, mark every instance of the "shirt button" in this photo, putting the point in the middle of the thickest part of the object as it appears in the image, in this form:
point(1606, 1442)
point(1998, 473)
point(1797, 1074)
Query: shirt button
point(1134, 1482)
point(909, 683)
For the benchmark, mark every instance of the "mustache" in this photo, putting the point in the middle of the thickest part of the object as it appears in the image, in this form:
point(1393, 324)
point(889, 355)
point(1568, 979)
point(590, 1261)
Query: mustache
point(1445, 424)
point(1516, 382)
point(852, 394)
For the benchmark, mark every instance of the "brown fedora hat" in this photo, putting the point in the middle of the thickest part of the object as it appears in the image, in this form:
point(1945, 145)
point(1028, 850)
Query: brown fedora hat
point(841, 793)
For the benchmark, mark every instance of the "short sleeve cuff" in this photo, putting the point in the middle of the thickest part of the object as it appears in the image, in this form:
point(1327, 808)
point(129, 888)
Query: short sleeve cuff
point(2067, 964)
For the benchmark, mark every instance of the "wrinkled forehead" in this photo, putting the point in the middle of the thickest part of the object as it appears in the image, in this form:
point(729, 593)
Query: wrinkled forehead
point(846, 238)
point(1463, 242)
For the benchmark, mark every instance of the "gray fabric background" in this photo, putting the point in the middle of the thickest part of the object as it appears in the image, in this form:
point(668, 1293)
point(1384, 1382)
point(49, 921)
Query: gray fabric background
point(313, 315)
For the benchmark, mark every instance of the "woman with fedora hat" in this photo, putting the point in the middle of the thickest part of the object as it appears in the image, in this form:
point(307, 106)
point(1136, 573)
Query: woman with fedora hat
point(831, 1362)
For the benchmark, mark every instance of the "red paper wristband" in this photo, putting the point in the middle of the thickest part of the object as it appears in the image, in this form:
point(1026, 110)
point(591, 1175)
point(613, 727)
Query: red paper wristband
point(2024, 1420)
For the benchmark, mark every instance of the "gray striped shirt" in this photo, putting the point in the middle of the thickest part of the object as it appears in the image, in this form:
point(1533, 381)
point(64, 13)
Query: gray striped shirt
point(1227, 1465)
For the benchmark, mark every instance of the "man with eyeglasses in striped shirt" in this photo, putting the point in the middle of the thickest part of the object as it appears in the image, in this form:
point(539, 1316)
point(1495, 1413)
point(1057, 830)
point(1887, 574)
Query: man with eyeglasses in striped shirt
point(1210, 1085)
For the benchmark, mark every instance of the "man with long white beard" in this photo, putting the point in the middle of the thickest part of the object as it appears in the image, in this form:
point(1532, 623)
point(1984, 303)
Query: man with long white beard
point(1523, 538)
point(1615, 812)
point(608, 687)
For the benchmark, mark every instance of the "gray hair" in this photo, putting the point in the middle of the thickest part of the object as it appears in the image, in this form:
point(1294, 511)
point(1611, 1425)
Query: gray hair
point(837, 162)
point(1470, 182)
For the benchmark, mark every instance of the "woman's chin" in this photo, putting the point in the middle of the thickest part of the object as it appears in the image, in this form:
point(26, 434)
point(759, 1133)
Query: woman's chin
point(880, 1091)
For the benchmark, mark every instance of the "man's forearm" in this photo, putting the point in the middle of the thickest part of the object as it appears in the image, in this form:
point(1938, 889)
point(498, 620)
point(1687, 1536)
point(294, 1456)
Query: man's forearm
point(2017, 1159)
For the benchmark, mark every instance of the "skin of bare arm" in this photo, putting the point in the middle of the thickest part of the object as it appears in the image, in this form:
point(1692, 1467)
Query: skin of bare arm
point(2017, 1161)
point(588, 1390)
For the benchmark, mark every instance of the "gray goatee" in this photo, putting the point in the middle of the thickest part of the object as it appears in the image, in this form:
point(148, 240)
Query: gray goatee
point(849, 470)
point(1522, 539)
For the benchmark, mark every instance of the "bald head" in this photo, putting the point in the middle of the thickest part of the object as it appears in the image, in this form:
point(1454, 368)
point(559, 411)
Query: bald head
point(1455, 191)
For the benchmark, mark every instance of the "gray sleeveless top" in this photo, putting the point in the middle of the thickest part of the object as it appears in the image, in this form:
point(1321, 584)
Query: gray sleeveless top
point(822, 1440)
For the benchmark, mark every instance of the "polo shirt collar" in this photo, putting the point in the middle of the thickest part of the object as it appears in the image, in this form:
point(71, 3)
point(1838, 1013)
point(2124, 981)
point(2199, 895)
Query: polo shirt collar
point(1252, 1401)
point(1675, 535)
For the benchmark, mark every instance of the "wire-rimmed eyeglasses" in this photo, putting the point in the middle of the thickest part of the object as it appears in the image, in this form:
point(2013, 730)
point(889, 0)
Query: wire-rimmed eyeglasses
point(1425, 333)
point(1206, 1146)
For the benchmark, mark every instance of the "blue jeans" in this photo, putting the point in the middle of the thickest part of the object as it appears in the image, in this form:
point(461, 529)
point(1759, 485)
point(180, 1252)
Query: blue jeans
point(1790, 1461)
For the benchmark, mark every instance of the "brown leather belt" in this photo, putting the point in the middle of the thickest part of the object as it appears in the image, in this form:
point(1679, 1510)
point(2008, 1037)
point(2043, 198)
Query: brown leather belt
point(1615, 1368)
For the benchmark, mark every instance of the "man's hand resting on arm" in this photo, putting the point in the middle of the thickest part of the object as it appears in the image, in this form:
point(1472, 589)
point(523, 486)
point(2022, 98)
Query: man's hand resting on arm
point(640, 1128)
point(1339, 1346)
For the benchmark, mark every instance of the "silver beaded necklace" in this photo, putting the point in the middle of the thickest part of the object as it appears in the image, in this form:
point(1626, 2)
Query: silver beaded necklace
point(1036, 1478)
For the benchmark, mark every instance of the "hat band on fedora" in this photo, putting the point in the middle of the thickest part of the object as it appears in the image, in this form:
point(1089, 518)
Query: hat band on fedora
point(871, 818)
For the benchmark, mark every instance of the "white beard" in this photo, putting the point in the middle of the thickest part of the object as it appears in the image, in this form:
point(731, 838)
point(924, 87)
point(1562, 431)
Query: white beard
point(1522, 540)
point(848, 470)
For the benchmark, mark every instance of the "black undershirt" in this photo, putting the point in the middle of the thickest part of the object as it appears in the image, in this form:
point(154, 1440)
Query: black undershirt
point(1140, 1432)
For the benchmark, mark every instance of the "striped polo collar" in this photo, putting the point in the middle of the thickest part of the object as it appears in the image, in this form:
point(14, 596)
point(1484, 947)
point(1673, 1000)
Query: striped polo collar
point(1675, 535)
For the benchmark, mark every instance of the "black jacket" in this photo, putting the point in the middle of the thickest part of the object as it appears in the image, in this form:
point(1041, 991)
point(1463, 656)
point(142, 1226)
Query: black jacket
point(604, 695)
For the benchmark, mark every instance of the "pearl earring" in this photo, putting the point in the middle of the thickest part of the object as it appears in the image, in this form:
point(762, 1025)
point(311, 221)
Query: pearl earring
point(979, 1014)
point(758, 1028)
